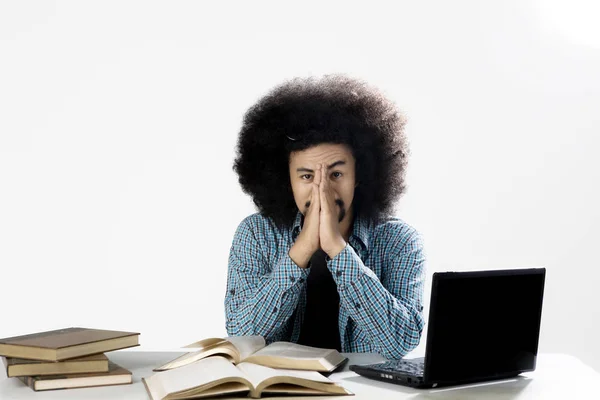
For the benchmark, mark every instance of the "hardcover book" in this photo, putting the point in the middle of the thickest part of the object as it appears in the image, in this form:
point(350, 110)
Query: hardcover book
point(217, 376)
point(116, 375)
point(23, 367)
point(252, 349)
point(66, 343)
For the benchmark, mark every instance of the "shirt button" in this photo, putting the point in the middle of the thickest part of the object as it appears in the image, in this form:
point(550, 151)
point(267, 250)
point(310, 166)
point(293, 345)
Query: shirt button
point(292, 278)
point(357, 305)
point(232, 292)
point(275, 310)
point(339, 273)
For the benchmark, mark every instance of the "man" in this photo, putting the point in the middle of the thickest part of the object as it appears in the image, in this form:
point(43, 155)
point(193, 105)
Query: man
point(324, 263)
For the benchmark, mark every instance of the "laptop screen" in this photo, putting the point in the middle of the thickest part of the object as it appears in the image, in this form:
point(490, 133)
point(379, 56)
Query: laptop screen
point(483, 324)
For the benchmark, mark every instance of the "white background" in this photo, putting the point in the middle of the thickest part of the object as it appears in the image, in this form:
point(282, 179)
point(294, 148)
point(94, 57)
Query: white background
point(118, 122)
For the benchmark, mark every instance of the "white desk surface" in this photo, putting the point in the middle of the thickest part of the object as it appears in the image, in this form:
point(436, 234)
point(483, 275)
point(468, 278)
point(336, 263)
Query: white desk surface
point(557, 376)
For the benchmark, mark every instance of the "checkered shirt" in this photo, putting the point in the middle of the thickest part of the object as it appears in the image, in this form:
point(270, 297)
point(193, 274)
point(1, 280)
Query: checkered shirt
point(380, 278)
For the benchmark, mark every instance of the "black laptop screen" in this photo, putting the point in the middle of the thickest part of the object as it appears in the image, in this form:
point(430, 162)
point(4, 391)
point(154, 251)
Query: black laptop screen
point(483, 326)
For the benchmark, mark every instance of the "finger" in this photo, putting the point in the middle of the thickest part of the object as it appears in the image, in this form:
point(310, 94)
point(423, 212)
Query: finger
point(330, 196)
point(325, 206)
point(318, 175)
point(329, 190)
point(316, 198)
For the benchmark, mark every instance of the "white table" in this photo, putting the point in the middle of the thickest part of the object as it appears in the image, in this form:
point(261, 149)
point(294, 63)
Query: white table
point(557, 376)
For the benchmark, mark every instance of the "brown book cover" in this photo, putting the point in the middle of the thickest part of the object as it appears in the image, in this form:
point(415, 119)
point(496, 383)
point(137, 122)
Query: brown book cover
point(116, 375)
point(67, 343)
point(24, 367)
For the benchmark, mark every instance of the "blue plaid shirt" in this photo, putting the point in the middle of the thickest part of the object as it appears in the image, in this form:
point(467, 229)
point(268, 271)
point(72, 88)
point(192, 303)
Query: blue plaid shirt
point(380, 276)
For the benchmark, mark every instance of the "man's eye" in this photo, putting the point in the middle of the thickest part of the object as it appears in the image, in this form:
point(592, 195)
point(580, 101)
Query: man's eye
point(336, 174)
point(306, 176)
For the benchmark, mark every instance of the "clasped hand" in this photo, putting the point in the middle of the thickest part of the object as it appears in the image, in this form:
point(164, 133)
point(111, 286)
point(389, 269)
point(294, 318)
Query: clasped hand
point(321, 227)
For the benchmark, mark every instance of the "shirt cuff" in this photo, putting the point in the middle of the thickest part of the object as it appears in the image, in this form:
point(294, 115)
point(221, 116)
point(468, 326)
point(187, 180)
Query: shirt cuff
point(288, 275)
point(347, 268)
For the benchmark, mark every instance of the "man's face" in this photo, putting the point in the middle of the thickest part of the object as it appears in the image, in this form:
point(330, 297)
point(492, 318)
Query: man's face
point(339, 169)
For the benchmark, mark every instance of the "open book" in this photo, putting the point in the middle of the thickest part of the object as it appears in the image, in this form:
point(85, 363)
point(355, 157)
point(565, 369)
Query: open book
point(252, 349)
point(215, 376)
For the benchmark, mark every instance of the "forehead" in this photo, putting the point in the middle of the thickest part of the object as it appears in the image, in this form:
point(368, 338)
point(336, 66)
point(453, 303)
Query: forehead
point(323, 153)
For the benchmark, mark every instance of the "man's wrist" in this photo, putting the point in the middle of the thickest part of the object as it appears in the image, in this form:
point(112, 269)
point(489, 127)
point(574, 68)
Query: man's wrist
point(337, 249)
point(300, 255)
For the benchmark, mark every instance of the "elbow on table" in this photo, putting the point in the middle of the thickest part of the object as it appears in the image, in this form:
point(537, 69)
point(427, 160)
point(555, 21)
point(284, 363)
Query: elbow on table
point(404, 344)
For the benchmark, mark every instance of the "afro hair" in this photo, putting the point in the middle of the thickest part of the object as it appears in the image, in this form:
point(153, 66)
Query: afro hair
point(305, 112)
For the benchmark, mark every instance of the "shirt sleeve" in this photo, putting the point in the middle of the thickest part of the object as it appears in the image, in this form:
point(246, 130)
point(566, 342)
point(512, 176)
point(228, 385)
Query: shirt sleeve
point(389, 310)
point(260, 297)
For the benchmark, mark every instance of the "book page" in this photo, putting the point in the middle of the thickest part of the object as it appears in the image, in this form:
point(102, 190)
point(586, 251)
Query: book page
point(257, 374)
point(246, 345)
point(294, 351)
point(295, 390)
point(294, 356)
point(235, 348)
point(225, 350)
point(192, 375)
point(205, 343)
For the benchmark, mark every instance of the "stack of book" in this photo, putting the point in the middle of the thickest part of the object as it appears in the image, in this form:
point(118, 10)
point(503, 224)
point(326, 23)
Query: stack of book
point(245, 366)
point(66, 358)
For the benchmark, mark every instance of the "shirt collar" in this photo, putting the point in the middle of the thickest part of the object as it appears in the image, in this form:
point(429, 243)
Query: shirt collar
point(360, 231)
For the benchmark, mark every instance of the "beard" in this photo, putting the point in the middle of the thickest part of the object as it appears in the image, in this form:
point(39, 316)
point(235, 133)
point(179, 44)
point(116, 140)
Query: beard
point(342, 212)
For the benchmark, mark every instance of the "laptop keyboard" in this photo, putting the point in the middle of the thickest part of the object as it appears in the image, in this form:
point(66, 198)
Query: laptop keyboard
point(410, 367)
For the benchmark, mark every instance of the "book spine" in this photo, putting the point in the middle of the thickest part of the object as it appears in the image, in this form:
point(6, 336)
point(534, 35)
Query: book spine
point(29, 381)
point(6, 365)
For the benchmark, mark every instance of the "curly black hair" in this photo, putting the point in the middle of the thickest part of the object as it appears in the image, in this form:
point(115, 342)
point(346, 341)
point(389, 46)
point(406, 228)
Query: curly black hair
point(305, 112)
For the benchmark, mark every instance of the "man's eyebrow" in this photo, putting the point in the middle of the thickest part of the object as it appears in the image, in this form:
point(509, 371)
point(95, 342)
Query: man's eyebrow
point(335, 164)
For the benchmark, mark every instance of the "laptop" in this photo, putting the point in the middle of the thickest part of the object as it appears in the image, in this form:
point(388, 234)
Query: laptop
point(483, 325)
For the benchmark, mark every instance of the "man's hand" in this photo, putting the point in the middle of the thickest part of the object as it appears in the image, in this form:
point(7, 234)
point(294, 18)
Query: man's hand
point(308, 241)
point(331, 239)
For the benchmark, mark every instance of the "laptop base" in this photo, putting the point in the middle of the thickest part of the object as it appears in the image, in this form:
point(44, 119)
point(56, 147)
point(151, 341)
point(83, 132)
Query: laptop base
point(391, 377)
point(417, 382)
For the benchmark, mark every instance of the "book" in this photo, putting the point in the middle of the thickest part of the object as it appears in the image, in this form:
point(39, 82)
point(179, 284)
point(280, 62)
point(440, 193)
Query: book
point(252, 349)
point(24, 367)
point(116, 375)
point(216, 376)
point(66, 343)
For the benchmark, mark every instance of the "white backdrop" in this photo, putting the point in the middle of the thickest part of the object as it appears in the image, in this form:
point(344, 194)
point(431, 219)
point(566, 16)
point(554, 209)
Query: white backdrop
point(118, 122)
